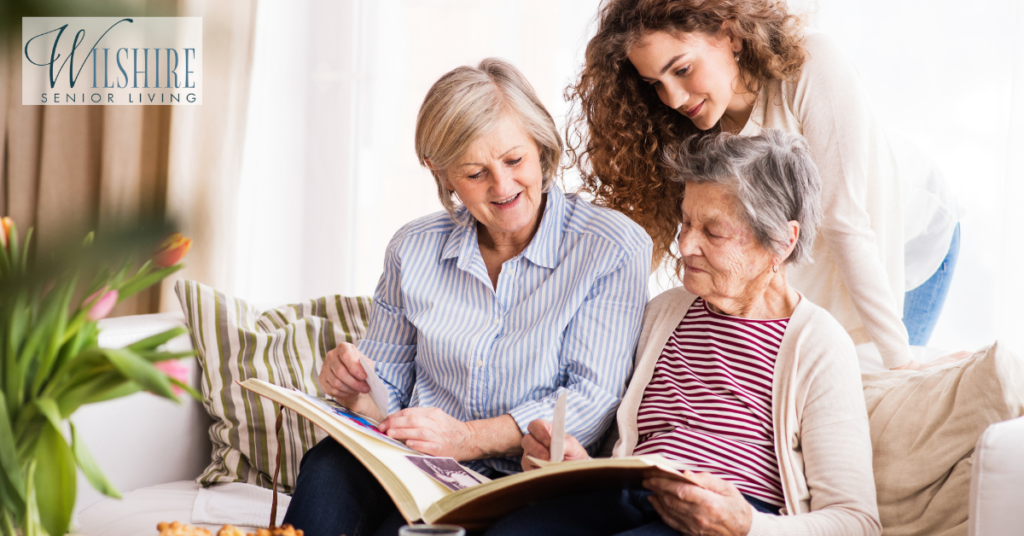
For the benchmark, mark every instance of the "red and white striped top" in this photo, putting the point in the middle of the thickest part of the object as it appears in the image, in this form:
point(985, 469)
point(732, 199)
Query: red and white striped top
point(709, 403)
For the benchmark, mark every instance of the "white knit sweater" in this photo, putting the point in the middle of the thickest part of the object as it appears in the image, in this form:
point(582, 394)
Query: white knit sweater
point(858, 269)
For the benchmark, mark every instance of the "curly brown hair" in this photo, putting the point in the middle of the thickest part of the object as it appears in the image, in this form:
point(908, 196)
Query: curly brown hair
point(618, 129)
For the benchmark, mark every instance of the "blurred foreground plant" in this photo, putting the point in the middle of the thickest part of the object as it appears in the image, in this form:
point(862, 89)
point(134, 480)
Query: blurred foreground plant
point(51, 363)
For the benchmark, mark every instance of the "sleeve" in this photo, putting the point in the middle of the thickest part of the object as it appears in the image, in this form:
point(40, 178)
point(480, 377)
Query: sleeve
point(597, 352)
point(390, 338)
point(835, 441)
point(835, 120)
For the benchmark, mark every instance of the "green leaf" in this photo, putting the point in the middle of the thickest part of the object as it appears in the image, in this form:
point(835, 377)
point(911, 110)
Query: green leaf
point(122, 390)
point(24, 257)
point(9, 459)
point(188, 389)
point(48, 408)
point(135, 285)
point(156, 357)
point(90, 468)
point(94, 389)
point(150, 343)
point(12, 243)
point(140, 371)
point(32, 522)
point(54, 481)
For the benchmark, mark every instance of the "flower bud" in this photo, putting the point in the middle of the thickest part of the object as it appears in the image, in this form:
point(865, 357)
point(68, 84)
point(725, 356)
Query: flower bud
point(6, 223)
point(101, 307)
point(172, 250)
point(177, 369)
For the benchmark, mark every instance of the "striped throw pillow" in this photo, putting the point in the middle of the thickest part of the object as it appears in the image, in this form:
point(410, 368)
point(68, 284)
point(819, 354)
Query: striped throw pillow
point(284, 346)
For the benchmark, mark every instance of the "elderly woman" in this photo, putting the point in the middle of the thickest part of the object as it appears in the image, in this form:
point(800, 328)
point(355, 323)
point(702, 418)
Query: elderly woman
point(487, 310)
point(738, 377)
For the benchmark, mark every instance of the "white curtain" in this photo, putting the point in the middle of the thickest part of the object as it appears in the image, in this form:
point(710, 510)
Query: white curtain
point(329, 170)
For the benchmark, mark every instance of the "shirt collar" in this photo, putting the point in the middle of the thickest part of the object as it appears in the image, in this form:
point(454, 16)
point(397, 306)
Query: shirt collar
point(542, 250)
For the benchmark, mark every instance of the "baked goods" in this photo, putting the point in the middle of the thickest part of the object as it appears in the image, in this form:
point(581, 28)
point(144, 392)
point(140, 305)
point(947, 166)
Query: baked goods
point(176, 528)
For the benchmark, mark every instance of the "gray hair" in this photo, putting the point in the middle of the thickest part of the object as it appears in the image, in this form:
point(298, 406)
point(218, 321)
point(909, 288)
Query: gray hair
point(466, 104)
point(771, 174)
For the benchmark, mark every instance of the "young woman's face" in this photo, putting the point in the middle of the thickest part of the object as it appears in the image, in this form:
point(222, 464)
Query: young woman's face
point(695, 74)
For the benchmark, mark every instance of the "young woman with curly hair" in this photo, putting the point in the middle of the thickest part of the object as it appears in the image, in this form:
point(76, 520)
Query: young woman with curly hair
point(660, 71)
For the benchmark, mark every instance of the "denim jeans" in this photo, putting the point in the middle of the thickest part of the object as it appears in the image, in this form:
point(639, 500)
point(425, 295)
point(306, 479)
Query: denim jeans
point(923, 305)
point(336, 495)
point(607, 513)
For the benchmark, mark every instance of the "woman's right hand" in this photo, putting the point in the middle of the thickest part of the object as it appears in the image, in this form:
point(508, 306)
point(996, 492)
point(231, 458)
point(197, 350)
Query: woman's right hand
point(537, 443)
point(342, 375)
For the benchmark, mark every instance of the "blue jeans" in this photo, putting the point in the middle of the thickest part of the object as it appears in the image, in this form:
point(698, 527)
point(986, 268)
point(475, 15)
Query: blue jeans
point(606, 513)
point(923, 305)
point(336, 495)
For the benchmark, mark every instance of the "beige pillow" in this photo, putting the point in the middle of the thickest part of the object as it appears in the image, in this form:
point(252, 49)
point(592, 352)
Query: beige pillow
point(924, 426)
point(284, 346)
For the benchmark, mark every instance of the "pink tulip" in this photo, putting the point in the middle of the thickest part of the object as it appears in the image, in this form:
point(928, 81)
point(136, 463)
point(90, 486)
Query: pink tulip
point(177, 369)
point(101, 307)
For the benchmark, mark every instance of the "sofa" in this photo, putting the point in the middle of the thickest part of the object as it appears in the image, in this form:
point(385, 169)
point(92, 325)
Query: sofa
point(152, 450)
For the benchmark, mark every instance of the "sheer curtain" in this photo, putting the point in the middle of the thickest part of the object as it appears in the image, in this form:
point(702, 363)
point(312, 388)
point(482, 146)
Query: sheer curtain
point(329, 172)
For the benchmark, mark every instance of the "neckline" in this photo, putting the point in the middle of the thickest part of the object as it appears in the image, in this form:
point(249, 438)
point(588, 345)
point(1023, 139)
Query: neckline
point(707, 309)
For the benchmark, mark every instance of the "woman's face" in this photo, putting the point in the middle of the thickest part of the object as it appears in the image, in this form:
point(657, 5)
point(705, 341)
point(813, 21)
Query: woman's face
point(723, 259)
point(694, 73)
point(499, 179)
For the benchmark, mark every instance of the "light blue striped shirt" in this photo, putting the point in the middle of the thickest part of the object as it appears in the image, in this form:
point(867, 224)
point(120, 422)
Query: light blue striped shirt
point(566, 315)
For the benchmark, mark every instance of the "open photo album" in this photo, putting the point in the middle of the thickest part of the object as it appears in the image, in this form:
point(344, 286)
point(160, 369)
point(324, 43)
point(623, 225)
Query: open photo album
point(433, 489)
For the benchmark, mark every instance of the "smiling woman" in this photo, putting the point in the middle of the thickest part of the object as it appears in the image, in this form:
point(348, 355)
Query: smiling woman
point(486, 311)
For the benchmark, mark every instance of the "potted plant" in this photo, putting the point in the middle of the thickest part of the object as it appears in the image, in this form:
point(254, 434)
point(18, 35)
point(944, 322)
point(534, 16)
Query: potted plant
point(51, 364)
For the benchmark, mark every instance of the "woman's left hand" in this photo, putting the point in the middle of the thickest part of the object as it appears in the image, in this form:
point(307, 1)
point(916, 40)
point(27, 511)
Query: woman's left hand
point(431, 431)
point(717, 508)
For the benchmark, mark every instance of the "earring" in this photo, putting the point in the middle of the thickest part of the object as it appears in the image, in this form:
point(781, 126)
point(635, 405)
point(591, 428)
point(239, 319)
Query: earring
point(736, 57)
point(775, 268)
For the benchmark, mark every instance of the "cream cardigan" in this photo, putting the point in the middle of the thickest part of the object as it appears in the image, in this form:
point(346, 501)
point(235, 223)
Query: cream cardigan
point(822, 439)
point(858, 269)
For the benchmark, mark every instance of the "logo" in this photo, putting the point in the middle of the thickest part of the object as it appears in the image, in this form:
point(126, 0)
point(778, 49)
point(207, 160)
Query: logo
point(112, 60)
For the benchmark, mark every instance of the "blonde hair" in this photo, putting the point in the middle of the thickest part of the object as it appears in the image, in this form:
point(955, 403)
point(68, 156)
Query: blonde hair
point(466, 104)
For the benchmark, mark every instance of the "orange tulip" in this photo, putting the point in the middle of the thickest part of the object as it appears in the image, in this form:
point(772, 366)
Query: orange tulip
point(6, 223)
point(172, 250)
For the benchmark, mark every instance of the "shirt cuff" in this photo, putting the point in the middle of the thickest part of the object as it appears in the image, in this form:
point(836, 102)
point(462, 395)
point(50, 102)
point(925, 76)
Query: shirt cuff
point(896, 357)
point(529, 412)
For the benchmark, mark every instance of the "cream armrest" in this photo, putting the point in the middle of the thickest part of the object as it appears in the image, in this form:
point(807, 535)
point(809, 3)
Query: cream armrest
point(997, 481)
point(142, 440)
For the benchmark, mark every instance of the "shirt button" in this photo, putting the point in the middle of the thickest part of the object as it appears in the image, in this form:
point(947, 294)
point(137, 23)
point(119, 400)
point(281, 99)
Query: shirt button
point(479, 363)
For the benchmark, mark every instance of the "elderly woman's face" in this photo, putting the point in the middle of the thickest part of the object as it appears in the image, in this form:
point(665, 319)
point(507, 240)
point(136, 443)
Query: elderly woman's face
point(722, 257)
point(499, 179)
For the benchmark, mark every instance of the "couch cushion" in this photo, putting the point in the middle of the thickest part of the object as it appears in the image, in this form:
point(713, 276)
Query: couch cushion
point(139, 511)
point(924, 426)
point(284, 346)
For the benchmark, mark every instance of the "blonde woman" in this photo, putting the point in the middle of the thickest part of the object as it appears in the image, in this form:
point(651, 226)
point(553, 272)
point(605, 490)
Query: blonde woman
point(486, 310)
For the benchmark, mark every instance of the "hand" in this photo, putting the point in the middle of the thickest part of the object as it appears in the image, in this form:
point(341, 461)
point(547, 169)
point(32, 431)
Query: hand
point(921, 365)
point(342, 375)
point(537, 443)
point(432, 431)
point(717, 508)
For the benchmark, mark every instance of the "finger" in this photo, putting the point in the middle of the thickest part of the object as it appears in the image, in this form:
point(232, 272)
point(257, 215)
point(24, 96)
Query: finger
point(713, 483)
point(349, 357)
point(675, 489)
point(346, 380)
point(531, 447)
point(426, 447)
point(669, 516)
point(541, 431)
